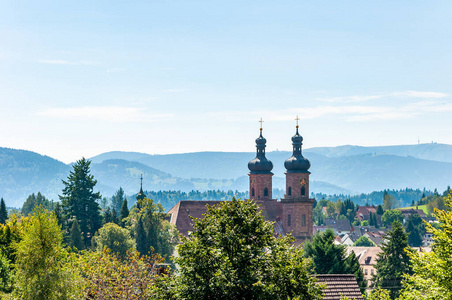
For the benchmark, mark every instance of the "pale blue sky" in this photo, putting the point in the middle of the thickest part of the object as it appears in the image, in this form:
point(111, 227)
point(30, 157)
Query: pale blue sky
point(78, 78)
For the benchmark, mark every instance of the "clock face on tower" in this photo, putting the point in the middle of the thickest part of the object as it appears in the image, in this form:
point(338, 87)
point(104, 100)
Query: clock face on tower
point(252, 182)
point(303, 181)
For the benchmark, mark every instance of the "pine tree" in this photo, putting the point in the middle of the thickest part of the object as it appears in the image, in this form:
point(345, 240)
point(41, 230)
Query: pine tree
point(380, 210)
point(393, 262)
point(3, 212)
point(124, 213)
point(58, 211)
point(117, 199)
point(75, 236)
point(80, 201)
point(353, 267)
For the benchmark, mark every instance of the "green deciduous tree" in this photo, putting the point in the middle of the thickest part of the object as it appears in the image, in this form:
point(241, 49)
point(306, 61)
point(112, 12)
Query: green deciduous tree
point(432, 271)
point(3, 212)
point(80, 201)
point(389, 202)
point(393, 262)
point(390, 216)
point(43, 268)
point(109, 276)
point(233, 254)
point(363, 241)
point(115, 238)
point(151, 229)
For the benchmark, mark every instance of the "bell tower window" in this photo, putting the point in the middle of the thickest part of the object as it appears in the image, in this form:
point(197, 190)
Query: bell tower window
point(252, 192)
point(289, 221)
point(303, 191)
point(289, 191)
point(266, 192)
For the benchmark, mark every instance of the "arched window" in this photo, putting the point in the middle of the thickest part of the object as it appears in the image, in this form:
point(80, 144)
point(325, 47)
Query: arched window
point(303, 220)
point(252, 192)
point(303, 190)
point(265, 192)
point(288, 221)
point(289, 192)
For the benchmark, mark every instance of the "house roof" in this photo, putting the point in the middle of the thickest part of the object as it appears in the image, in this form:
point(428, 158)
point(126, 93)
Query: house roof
point(412, 211)
point(366, 255)
point(338, 225)
point(339, 285)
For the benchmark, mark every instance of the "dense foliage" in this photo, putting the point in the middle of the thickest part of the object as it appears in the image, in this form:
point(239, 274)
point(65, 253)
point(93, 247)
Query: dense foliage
point(115, 238)
point(43, 268)
point(34, 201)
point(151, 230)
point(329, 258)
point(432, 271)
point(404, 196)
point(233, 254)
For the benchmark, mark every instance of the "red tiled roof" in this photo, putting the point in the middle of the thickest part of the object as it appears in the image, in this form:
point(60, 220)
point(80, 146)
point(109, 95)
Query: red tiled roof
point(339, 285)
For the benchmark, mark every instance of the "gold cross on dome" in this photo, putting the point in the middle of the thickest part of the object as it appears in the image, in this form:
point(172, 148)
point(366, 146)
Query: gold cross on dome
point(297, 119)
point(261, 121)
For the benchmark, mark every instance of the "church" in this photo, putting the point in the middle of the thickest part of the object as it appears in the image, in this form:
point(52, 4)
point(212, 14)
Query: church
point(293, 213)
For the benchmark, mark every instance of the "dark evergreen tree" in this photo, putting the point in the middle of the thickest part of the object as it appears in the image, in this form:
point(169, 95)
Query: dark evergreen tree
point(58, 211)
point(75, 236)
point(329, 258)
point(117, 199)
point(393, 262)
point(353, 267)
point(371, 219)
point(80, 201)
point(415, 229)
point(141, 237)
point(3, 212)
point(34, 201)
point(380, 210)
point(375, 220)
point(123, 213)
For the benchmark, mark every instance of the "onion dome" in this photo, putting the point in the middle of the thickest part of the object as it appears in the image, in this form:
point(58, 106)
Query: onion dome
point(297, 163)
point(260, 165)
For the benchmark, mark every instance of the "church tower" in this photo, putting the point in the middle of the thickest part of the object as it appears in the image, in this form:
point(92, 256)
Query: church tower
point(297, 207)
point(260, 172)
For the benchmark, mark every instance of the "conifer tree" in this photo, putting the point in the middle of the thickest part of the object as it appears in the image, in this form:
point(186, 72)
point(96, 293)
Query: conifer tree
point(124, 213)
point(75, 236)
point(3, 212)
point(329, 258)
point(117, 199)
point(380, 210)
point(393, 262)
point(141, 237)
point(80, 201)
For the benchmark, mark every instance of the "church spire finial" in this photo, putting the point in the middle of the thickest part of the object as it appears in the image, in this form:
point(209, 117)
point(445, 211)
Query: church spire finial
point(141, 178)
point(297, 119)
point(261, 121)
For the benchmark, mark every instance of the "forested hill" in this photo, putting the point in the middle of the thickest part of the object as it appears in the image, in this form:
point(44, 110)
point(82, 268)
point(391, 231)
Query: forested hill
point(338, 170)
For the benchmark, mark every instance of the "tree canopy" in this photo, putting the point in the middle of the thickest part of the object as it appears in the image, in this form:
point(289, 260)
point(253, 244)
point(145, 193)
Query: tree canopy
point(233, 254)
point(432, 271)
point(329, 258)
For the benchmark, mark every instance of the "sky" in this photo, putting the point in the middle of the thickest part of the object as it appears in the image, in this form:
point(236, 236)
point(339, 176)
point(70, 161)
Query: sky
point(79, 78)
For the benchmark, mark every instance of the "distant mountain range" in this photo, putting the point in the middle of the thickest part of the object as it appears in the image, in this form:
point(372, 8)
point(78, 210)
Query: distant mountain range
point(343, 169)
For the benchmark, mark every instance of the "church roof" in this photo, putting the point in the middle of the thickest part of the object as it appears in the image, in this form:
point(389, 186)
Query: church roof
point(183, 210)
